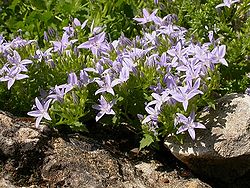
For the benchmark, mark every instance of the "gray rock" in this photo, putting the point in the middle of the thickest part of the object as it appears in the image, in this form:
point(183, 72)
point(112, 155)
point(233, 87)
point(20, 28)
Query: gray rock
point(16, 138)
point(222, 151)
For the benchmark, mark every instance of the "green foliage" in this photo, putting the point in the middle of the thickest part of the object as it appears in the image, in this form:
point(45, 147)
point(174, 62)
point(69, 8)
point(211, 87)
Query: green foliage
point(34, 17)
point(146, 141)
point(232, 25)
point(71, 110)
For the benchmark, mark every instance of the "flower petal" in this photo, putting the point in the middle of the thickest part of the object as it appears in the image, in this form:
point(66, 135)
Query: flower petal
point(38, 120)
point(35, 113)
point(99, 116)
point(46, 116)
point(38, 104)
point(182, 129)
point(191, 133)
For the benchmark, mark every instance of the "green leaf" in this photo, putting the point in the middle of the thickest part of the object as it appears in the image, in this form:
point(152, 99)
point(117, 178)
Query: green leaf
point(114, 120)
point(78, 126)
point(14, 4)
point(211, 104)
point(146, 141)
point(46, 16)
point(40, 5)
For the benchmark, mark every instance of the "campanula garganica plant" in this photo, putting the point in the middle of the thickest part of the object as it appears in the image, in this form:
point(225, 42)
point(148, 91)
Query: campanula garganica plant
point(155, 83)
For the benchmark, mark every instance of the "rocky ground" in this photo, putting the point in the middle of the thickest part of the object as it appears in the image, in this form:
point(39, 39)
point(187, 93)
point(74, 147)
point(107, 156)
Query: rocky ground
point(48, 158)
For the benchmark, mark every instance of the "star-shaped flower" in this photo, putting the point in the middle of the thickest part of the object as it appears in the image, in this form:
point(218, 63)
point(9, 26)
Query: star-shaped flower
point(96, 44)
point(153, 114)
point(146, 17)
point(183, 94)
point(188, 124)
point(12, 75)
point(17, 62)
point(106, 85)
point(41, 112)
point(227, 3)
point(104, 107)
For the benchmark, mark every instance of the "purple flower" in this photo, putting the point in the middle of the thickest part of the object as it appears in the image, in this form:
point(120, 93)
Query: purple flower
point(199, 53)
point(96, 44)
point(188, 124)
point(12, 75)
point(46, 55)
point(153, 114)
point(95, 30)
point(151, 38)
point(69, 31)
point(98, 68)
point(172, 31)
point(41, 112)
point(139, 53)
point(212, 40)
point(124, 41)
point(171, 80)
point(72, 79)
point(60, 46)
point(128, 63)
point(51, 32)
point(152, 60)
point(1, 39)
point(3, 46)
point(123, 77)
point(4, 69)
point(84, 78)
point(165, 61)
point(104, 107)
point(106, 85)
point(177, 52)
point(45, 36)
point(146, 17)
point(211, 36)
point(248, 91)
point(158, 88)
point(17, 63)
point(191, 68)
point(218, 55)
point(58, 92)
point(160, 99)
point(166, 20)
point(227, 3)
point(183, 94)
point(19, 42)
point(76, 22)
point(71, 82)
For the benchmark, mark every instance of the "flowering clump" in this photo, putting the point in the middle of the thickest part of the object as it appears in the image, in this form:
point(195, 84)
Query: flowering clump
point(160, 76)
